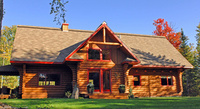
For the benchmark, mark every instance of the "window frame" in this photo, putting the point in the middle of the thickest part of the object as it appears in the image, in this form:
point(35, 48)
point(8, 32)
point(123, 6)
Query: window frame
point(45, 79)
point(167, 80)
point(101, 54)
point(139, 79)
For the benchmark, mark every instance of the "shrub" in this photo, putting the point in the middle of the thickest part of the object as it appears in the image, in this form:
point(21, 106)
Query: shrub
point(68, 94)
point(130, 95)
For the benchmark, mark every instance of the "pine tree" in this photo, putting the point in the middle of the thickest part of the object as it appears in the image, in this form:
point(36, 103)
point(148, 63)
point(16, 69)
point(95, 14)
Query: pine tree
point(197, 61)
point(186, 51)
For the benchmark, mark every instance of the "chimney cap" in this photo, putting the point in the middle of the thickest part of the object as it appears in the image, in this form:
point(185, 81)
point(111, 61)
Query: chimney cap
point(64, 27)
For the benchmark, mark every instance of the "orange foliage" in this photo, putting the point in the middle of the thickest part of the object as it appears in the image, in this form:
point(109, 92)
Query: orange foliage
point(163, 29)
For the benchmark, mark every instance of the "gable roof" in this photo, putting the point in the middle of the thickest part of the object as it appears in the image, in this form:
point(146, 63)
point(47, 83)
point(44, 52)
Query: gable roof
point(42, 44)
point(104, 25)
point(154, 50)
point(51, 45)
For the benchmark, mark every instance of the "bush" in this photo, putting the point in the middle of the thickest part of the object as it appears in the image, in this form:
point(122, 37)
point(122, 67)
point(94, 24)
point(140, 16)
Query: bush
point(68, 94)
point(130, 95)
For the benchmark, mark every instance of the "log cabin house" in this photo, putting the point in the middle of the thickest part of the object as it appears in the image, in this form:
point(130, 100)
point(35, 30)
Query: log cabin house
point(50, 61)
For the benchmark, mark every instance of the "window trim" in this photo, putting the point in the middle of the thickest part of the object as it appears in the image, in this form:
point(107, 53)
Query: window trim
point(101, 55)
point(140, 79)
point(48, 85)
point(167, 81)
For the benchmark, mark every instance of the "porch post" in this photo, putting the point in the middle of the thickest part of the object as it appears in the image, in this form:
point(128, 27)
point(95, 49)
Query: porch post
point(23, 79)
point(180, 72)
point(125, 71)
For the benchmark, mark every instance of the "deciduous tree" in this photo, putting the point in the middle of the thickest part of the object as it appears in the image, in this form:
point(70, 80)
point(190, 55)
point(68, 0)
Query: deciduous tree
point(163, 29)
point(57, 8)
point(6, 44)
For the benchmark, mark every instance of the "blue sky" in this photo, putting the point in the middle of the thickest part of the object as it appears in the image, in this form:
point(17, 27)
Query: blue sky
point(127, 16)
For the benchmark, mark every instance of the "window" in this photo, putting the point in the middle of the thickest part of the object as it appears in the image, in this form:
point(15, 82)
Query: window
point(49, 79)
point(98, 54)
point(94, 54)
point(100, 78)
point(106, 54)
point(166, 80)
point(94, 79)
point(136, 80)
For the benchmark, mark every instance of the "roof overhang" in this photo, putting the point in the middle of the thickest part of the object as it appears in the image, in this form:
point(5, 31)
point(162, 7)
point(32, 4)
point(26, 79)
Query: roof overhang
point(34, 62)
point(156, 66)
point(8, 70)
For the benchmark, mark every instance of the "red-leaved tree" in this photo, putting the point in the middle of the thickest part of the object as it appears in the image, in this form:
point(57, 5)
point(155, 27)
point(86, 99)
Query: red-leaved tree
point(163, 29)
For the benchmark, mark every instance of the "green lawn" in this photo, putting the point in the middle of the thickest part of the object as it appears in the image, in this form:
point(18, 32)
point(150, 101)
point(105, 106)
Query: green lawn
point(139, 103)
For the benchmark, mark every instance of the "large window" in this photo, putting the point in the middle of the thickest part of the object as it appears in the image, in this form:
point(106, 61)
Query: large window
point(95, 79)
point(166, 80)
point(101, 79)
point(136, 80)
point(98, 54)
point(49, 79)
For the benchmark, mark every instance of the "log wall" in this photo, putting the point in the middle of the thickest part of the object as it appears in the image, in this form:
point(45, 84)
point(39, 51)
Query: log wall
point(30, 79)
point(151, 83)
point(114, 65)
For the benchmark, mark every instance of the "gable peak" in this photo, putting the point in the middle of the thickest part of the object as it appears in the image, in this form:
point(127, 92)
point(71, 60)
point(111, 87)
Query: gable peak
point(104, 22)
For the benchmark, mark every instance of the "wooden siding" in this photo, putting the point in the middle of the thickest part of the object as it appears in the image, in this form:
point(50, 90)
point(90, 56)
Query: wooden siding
point(114, 65)
point(151, 83)
point(31, 77)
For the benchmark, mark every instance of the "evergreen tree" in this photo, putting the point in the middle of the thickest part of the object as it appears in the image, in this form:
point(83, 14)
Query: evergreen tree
point(186, 51)
point(197, 61)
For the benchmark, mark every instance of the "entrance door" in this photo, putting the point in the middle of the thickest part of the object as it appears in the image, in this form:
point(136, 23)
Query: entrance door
point(100, 79)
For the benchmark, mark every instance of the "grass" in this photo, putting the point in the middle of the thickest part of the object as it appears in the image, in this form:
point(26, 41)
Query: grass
point(139, 103)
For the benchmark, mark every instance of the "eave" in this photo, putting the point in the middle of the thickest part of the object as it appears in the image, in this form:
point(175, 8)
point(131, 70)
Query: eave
point(156, 66)
point(34, 62)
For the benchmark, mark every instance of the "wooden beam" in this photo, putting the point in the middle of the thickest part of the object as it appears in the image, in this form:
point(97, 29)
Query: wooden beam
point(104, 34)
point(103, 43)
point(23, 77)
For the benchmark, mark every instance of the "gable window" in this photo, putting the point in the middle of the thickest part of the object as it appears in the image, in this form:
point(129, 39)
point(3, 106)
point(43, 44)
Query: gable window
point(49, 79)
point(94, 54)
point(106, 54)
point(136, 80)
point(166, 80)
point(98, 54)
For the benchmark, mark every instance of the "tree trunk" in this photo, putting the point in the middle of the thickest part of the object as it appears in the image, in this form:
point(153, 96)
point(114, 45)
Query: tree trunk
point(1, 15)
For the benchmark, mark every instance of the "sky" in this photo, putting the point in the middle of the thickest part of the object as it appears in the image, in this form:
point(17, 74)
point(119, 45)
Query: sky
point(124, 16)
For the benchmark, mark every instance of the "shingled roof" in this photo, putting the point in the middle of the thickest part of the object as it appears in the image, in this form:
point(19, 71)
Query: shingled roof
point(43, 44)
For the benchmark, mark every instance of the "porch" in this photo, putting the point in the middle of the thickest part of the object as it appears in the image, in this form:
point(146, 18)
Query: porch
point(108, 96)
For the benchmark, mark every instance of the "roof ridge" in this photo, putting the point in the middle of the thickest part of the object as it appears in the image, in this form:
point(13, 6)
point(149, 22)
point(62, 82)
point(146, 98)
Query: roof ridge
point(117, 33)
point(51, 28)
point(37, 27)
point(141, 35)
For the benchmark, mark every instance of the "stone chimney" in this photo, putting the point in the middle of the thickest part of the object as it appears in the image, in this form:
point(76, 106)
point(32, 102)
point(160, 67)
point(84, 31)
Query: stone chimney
point(64, 27)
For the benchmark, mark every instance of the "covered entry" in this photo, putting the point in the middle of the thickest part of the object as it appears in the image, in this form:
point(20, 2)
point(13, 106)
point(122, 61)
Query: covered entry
point(7, 70)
